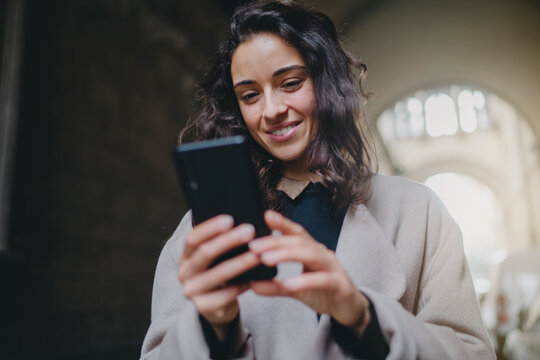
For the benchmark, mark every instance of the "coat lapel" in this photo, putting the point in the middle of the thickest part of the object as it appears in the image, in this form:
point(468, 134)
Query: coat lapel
point(368, 257)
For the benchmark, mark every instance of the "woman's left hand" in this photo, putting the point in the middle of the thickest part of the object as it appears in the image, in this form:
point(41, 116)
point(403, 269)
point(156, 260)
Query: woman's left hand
point(323, 285)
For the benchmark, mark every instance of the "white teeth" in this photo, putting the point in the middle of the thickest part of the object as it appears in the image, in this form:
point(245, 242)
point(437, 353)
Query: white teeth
point(283, 131)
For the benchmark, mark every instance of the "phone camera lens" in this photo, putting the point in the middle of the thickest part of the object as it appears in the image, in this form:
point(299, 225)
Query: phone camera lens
point(193, 185)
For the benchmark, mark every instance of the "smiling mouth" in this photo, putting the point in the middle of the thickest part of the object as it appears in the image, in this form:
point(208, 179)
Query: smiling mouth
point(282, 130)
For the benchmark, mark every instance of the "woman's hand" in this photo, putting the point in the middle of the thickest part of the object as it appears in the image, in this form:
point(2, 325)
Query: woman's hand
point(324, 285)
point(205, 286)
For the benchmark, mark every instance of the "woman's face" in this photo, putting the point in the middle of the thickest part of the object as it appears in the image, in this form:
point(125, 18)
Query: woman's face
point(276, 96)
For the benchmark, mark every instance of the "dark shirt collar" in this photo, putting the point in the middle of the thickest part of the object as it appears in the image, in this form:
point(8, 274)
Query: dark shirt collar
point(292, 187)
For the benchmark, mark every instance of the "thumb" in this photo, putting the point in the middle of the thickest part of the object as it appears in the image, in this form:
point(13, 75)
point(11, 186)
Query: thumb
point(276, 221)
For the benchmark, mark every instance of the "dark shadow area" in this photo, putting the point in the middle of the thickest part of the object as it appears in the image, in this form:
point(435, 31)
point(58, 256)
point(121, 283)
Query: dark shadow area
point(105, 88)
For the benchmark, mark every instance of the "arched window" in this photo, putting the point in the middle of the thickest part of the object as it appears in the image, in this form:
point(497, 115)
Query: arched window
point(481, 157)
point(434, 113)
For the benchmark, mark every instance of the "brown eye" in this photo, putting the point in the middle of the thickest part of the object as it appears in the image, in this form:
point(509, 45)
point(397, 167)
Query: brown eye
point(249, 97)
point(292, 84)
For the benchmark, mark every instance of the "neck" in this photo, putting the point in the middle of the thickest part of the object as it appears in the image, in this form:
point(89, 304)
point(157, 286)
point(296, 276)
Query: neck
point(297, 171)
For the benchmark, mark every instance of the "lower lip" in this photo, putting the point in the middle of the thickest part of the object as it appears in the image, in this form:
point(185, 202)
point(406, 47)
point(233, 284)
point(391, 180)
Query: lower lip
point(286, 136)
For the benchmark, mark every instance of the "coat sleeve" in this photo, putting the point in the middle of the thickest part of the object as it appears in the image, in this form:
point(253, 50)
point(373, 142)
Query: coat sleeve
point(446, 322)
point(175, 330)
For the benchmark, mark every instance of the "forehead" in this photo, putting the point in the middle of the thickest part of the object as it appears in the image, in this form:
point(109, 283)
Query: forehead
point(262, 54)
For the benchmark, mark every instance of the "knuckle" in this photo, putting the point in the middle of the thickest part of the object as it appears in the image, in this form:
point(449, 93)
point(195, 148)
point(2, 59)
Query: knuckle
point(298, 228)
point(183, 273)
point(181, 276)
point(191, 239)
point(324, 250)
point(189, 290)
point(205, 251)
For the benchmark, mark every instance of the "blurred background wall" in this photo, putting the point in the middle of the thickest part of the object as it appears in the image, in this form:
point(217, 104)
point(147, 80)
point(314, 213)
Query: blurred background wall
point(93, 94)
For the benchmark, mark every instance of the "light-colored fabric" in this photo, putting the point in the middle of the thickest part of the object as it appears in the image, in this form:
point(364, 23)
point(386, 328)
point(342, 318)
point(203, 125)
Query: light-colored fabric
point(401, 248)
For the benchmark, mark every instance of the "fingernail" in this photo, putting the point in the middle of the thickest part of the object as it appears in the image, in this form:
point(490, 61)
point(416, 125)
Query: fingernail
point(246, 231)
point(270, 256)
point(225, 221)
point(255, 244)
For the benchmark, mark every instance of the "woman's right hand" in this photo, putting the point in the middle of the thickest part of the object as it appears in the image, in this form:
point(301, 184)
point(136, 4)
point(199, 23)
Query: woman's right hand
point(205, 286)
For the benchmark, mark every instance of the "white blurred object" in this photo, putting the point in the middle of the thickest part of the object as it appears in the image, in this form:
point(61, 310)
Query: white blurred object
point(524, 344)
point(514, 293)
point(533, 319)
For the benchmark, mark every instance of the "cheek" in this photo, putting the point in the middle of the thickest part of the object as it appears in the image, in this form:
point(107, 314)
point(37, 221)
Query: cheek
point(305, 101)
point(306, 104)
point(251, 119)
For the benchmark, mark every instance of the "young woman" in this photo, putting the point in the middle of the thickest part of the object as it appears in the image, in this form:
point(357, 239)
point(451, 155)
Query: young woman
point(369, 266)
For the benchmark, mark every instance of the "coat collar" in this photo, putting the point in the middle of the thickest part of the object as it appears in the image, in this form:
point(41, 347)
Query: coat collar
point(368, 256)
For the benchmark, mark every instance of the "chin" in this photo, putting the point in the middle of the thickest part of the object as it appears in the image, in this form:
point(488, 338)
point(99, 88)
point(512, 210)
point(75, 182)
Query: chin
point(287, 153)
point(287, 157)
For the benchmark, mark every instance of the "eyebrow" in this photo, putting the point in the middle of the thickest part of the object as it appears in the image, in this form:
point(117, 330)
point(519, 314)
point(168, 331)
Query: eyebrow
point(276, 73)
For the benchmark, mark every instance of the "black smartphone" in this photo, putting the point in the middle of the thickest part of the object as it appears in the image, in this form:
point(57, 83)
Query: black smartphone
point(218, 177)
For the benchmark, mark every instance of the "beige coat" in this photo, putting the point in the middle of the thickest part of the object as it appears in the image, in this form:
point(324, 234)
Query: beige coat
point(402, 249)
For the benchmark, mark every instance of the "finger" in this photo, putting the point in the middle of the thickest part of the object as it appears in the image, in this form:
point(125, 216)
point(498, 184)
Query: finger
point(220, 274)
point(317, 281)
point(269, 288)
point(260, 245)
point(314, 256)
point(207, 252)
point(276, 221)
point(205, 231)
point(218, 299)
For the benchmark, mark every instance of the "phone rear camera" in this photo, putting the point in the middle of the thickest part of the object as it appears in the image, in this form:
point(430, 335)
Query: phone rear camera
point(193, 185)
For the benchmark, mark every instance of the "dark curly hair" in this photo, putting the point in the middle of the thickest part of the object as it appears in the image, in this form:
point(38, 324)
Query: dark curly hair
point(339, 153)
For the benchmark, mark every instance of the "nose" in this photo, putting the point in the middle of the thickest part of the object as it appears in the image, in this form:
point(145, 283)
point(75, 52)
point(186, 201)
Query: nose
point(273, 106)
